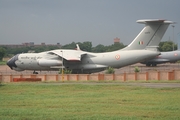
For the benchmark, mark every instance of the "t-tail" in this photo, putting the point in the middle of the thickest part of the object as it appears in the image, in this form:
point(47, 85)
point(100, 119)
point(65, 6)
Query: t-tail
point(151, 34)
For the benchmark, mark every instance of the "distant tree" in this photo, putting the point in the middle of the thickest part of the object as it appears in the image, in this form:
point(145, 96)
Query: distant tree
point(69, 46)
point(53, 47)
point(86, 46)
point(2, 53)
point(167, 46)
point(17, 50)
point(99, 48)
point(44, 48)
point(115, 46)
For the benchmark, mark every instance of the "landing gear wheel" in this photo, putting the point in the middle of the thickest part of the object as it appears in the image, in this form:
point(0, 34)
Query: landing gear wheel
point(35, 72)
point(148, 65)
point(154, 64)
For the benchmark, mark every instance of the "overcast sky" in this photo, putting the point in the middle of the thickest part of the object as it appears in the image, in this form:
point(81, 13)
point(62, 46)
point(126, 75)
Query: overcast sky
point(97, 21)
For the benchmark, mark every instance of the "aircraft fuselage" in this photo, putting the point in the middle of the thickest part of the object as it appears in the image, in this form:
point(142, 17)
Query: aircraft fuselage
point(91, 61)
point(165, 57)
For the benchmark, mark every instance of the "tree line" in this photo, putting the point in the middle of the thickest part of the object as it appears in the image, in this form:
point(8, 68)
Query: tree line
point(85, 46)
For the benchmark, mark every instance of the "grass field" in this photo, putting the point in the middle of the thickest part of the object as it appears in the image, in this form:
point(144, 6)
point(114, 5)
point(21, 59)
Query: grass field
point(2, 62)
point(26, 101)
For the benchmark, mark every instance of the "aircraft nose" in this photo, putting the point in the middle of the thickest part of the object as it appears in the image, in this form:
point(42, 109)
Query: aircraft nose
point(11, 62)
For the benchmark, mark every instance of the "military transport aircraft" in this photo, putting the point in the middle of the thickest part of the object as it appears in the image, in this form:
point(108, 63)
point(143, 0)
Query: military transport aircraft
point(142, 48)
point(165, 57)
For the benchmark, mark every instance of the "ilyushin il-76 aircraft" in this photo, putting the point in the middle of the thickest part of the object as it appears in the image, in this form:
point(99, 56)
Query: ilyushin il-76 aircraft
point(142, 48)
point(165, 57)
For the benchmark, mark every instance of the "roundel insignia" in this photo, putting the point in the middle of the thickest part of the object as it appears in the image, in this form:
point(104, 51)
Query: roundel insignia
point(117, 57)
point(175, 54)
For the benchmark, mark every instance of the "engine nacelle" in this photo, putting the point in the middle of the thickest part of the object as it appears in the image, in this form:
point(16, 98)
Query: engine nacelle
point(48, 63)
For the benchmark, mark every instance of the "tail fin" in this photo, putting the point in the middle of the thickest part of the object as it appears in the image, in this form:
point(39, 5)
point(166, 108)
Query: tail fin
point(150, 35)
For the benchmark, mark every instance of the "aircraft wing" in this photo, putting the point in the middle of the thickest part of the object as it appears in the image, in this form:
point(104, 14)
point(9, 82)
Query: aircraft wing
point(69, 55)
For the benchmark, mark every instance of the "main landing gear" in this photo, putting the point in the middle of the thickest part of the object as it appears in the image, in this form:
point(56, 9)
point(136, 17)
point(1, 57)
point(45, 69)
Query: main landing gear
point(151, 64)
point(35, 72)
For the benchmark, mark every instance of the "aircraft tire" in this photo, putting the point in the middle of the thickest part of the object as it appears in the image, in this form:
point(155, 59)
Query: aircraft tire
point(35, 72)
point(154, 64)
point(148, 64)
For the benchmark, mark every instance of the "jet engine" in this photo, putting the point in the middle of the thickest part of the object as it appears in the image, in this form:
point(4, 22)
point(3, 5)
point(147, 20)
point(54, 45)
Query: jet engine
point(46, 63)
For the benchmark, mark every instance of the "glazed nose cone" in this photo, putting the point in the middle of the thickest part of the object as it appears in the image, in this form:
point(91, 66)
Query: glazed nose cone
point(11, 62)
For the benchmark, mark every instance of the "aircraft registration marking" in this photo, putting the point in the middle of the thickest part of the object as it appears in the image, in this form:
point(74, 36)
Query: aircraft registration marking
point(117, 57)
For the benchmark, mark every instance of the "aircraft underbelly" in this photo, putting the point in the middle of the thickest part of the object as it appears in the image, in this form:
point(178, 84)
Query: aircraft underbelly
point(87, 66)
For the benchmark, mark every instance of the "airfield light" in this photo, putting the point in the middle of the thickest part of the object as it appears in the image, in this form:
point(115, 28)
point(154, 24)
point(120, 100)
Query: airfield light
point(178, 40)
point(173, 36)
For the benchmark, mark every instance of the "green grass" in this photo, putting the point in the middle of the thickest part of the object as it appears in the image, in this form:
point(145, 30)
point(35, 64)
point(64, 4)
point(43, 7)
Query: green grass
point(2, 62)
point(47, 101)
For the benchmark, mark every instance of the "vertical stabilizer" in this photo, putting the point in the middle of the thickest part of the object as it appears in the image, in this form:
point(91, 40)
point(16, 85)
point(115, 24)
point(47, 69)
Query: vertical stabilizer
point(150, 35)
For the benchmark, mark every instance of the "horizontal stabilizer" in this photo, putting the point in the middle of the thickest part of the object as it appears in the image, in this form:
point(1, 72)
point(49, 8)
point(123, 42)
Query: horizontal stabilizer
point(146, 21)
